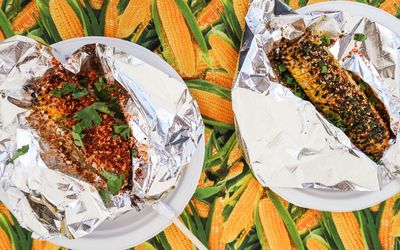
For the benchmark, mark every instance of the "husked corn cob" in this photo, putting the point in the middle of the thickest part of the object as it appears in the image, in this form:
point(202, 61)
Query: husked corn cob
point(6, 213)
point(213, 106)
point(390, 6)
point(177, 36)
point(214, 60)
point(5, 243)
point(217, 227)
point(375, 208)
point(224, 51)
point(137, 13)
point(334, 93)
point(176, 239)
point(235, 170)
point(202, 208)
point(111, 19)
point(316, 242)
point(308, 221)
point(241, 7)
point(43, 245)
point(25, 19)
point(234, 155)
point(95, 4)
point(210, 14)
point(386, 230)
point(273, 226)
point(220, 78)
point(349, 230)
point(243, 212)
point(145, 246)
point(67, 22)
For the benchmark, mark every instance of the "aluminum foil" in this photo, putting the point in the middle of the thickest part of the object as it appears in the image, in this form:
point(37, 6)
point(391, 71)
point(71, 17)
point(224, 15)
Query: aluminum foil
point(164, 120)
point(286, 141)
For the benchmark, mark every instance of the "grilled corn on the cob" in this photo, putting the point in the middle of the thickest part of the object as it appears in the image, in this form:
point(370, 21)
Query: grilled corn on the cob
point(335, 94)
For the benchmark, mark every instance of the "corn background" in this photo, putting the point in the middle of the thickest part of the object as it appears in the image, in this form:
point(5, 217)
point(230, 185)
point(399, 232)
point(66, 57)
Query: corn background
point(200, 39)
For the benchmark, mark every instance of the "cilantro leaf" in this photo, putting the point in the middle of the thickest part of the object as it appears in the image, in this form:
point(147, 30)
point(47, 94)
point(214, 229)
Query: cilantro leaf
point(114, 181)
point(325, 40)
point(105, 195)
point(77, 135)
point(20, 151)
point(89, 116)
point(68, 88)
point(123, 130)
point(324, 69)
point(100, 84)
point(134, 153)
point(281, 68)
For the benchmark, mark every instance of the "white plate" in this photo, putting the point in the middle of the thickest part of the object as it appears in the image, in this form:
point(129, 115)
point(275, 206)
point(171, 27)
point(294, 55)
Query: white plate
point(134, 227)
point(343, 201)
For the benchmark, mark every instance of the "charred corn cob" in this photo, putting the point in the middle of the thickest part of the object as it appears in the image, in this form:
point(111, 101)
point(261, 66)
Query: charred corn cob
point(136, 14)
point(202, 208)
point(5, 243)
point(224, 51)
point(220, 78)
point(95, 4)
point(316, 242)
point(111, 19)
point(308, 221)
point(213, 106)
point(25, 19)
point(349, 230)
point(210, 14)
point(216, 228)
point(6, 213)
point(177, 36)
point(241, 7)
point(334, 93)
point(273, 226)
point(176, 239)
point(243, 212)
point(386, 231)
point(67, 22)
point(390, 6)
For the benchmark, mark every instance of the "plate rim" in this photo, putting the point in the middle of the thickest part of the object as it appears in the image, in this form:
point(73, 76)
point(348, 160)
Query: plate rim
point(364, 199)
point(177, 205)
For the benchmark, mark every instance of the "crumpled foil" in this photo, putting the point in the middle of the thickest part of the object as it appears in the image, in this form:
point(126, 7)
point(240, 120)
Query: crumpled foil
point(286, 141)
point(163, 118)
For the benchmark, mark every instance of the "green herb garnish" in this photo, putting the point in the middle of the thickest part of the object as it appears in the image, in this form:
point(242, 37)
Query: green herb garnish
point(77, 135)
point(67, 88)
point(325, 40)
point(123, 130)
point(100, 84)
point(281, 68)
point(89, 116)
point(114, 181)
point(362, 86)
point(360, 37)
point(290, 80)
point(324, 69)
point(19, 152)
point(105, 195)
point(134, 153)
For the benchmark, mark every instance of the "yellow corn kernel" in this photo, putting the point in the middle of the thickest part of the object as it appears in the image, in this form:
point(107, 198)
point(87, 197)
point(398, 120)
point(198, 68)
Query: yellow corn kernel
point(25, 19)
point(349, 230)
point(95, 4)
point(111, 19)
point(396, 225)
point(235, 170)
point(386, 230)
point(294, 4)
point(273, 226)
point(210, 14)
point(214, 61)
point(201, 64)
point(137, 13)
point(177, 36)
point(240, 7)
point(203, 182)
point(213, 106)
point(224, 51)
point(308, 221)
point(67, 22)
point(242, 212)
point(314, 243)
point(5, 243)
point(208, 133)
point(176, 239)
point(202, 208)
point(234, 155)
point(2, 37)
point(220, 78)
point(390, 6)
point(217, 226)
point(375, 208)
point(145, 246)
point(4, 210)
point(43, 245)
